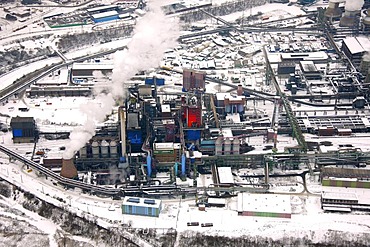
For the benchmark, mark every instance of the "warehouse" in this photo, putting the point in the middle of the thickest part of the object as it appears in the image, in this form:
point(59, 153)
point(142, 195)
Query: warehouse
point(24, 129)
point(105, 16)
point(102, 9)
point(262, 205)
point(309, 70)
point(354, 48)
point(141, 206)
point(338, 198)
point(86, 70)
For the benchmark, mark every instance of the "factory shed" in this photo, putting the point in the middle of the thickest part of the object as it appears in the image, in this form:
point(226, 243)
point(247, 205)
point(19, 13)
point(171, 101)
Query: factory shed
point(216, 202)
point(86, 70)
point(316, 57)
point(23, 129)
point(264, 205)
point(309, 70)
point(141, 206)
point(102, 9)
point(286, 67)
point(105, 16)
point(355, 48)
point(338, 198)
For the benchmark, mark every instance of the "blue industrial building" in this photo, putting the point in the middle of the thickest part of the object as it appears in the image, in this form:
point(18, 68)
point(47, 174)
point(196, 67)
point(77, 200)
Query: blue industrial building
point(24, 129)
point(154, 81)
point(141, 206)
point(105, 16)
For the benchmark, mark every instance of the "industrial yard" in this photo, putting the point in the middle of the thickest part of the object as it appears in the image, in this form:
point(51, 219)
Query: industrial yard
point(246, 120)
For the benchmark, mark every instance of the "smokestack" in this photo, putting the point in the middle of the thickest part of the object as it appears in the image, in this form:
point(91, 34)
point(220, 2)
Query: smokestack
point(68, 169)
point(333, 11)
point(352, 10)
point(239, 91)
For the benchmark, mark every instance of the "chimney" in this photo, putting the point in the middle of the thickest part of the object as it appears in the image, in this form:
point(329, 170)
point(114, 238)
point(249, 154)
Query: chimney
point(333, 11)
point(352, 11)
point(239, 91)
point(68, 169)
point(349, 18)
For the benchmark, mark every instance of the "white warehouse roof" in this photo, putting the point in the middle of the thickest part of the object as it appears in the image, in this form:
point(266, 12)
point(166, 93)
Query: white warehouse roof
point(92, 66)
point(225, 175)
point(105, 14)
point(264, 203)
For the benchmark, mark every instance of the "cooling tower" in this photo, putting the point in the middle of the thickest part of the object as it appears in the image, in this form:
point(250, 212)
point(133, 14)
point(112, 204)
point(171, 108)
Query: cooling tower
point(68, 169)
point(349, 19)
point(365, 63)
point(333, 11)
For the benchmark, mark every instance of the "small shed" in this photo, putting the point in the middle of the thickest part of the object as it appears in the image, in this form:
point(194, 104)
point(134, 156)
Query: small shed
point(216, 202)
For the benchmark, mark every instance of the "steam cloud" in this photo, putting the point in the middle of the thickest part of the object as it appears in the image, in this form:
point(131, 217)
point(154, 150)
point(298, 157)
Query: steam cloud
point(153, 35)
point(366, 56)
point(353, 5)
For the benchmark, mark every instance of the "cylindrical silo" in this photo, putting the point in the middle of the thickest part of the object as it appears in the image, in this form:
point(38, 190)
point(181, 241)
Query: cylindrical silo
point(227, 108)
point(236, 146)
point(240, 108)
point(113, 149)
point(95, 149)
point(83, 152)
point(227, 146)
point(104, 149)
point(333, 11)
point(218, 146)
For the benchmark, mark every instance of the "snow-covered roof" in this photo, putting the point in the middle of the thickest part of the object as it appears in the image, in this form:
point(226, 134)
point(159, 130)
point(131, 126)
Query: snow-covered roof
point(264, 203)
point(143, 202)
point(165, 108)
point(92, 66)
point(105, 14)
point(100, 8)
point(339, 196)
point(227, 132)
point(352, 45)
point(308, 66)
point(222, 96)
point(163, 146)
point(216, 201)
point(235, 118)
point(319, 55)
point(225, 175)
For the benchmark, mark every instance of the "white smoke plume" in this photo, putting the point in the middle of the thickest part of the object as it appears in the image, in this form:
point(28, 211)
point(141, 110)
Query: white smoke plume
point(154, 33)
point(353, 5)
point(366, 56)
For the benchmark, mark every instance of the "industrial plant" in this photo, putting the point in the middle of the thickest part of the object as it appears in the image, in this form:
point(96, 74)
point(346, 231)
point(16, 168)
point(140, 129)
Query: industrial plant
point(245, 109)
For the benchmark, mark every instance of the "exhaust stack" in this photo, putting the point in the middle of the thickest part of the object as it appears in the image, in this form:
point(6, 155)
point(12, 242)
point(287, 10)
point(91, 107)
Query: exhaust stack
point(68, 169)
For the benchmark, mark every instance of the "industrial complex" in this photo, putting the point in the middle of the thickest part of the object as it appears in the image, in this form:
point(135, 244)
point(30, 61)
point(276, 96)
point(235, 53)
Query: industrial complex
point(252, 108)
